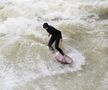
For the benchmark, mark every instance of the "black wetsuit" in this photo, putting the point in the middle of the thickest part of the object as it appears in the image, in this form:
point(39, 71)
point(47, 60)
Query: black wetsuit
point(56, 36)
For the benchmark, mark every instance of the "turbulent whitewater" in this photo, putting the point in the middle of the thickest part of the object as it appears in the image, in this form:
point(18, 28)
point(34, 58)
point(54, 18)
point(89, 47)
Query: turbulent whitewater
point(25, 60)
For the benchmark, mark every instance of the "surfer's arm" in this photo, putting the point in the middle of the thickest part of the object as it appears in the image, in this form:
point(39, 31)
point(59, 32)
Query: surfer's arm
point(61, 37)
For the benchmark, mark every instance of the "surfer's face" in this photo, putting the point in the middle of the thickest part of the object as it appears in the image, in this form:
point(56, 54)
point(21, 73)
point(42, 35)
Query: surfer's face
point(45, 27)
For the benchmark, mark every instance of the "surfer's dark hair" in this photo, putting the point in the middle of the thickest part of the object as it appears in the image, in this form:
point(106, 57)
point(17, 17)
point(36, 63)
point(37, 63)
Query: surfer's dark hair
point(45, 25)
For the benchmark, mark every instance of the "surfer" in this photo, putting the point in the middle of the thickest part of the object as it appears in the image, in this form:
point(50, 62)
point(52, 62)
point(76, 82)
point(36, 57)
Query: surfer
point(56, 36)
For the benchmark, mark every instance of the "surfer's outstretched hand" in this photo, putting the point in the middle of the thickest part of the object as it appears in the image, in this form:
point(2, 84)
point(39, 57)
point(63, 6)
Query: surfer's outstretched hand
point(48, 35)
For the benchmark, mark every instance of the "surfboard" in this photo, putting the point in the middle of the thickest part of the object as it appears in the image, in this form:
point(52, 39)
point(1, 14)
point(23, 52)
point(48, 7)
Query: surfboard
point(59, 58)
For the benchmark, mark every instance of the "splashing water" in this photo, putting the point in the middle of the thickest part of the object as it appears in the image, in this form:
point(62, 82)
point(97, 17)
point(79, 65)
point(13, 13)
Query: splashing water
point(25, 60)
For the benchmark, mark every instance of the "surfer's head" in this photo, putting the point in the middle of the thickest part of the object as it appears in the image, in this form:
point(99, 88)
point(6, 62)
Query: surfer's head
point(45, 25)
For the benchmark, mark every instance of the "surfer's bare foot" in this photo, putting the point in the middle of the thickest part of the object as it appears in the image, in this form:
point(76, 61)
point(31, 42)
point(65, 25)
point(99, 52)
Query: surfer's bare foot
point(53, 51)
point(63, 59)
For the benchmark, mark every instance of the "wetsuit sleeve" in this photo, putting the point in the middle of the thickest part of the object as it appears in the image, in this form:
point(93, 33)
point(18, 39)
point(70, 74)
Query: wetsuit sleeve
point(60, 35)
point(50, 30)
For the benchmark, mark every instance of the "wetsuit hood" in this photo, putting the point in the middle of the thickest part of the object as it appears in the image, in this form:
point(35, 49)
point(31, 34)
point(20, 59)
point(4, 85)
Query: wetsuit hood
point(45, 25)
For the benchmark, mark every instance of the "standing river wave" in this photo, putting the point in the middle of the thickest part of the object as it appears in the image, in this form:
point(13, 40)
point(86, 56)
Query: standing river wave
point(25, 60)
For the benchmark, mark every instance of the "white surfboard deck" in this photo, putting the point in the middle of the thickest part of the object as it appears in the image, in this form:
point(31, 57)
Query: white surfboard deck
point(59, 58)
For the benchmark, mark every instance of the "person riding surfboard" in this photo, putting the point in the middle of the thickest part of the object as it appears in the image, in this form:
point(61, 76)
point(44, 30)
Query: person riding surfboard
point(56, 36)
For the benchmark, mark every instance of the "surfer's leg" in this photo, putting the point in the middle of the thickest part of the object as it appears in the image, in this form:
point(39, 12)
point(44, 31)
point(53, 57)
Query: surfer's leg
point(51, 41)
point(57, 46)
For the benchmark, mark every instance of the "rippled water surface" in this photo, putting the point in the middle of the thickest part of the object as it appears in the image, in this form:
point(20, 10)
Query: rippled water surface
point(25, 60)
